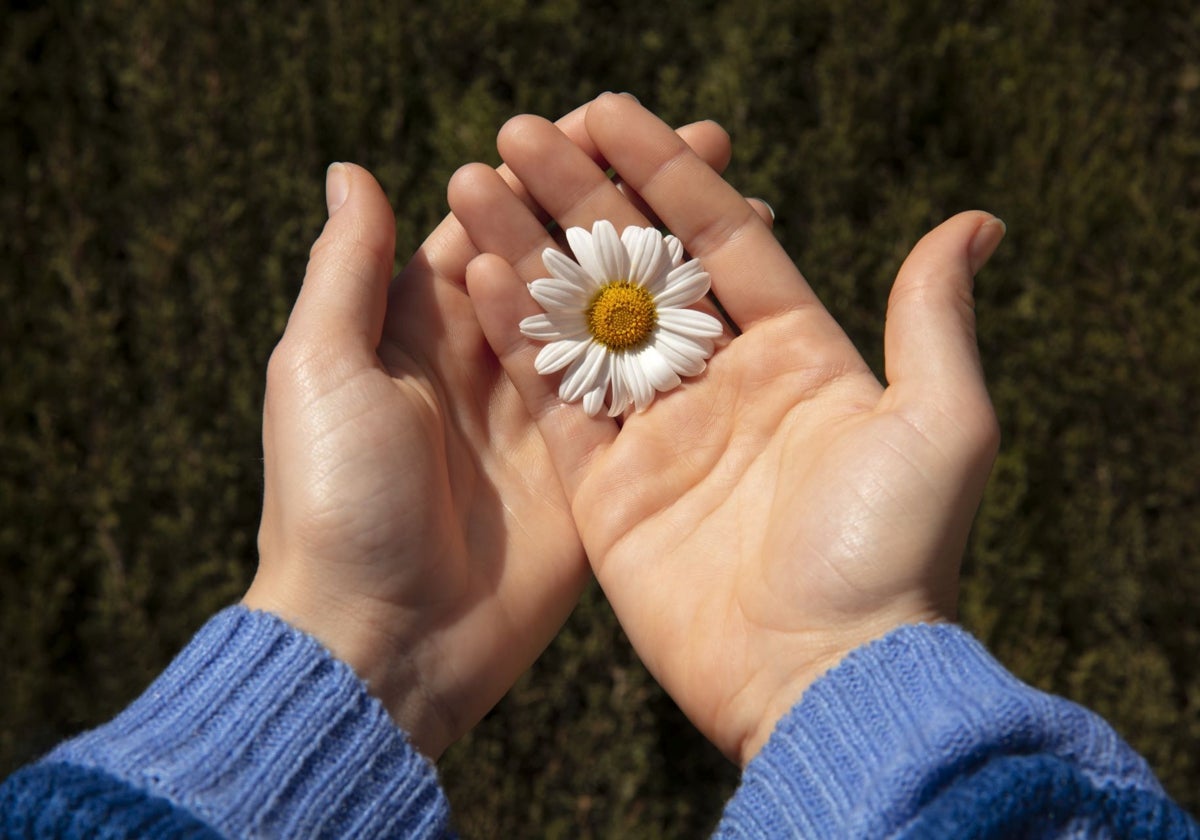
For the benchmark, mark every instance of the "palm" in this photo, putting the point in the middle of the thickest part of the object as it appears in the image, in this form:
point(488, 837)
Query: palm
point(488, 509)
point(711, 553)
point(410, 483)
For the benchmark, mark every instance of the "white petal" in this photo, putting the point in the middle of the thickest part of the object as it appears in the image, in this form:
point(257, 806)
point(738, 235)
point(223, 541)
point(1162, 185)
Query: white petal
point(562, 324)
point(558, 354)
point(587, 373)
point(596, 250)
point(685, 285)
point(610, 251)
point(580, 241)
point(700, 348)
point(620, 389)
point(564, 268)
point(648, 257)
point(685, 355)
point(657, 369)
point(639, 385)
point(617, 409)
point(555, 294)
point(593, 401)
point(630, 237)
point(675, 249)
point(689, 322)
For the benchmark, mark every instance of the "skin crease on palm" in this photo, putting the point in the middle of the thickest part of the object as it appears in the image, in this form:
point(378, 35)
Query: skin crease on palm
point(784, 507)
point(412, 519)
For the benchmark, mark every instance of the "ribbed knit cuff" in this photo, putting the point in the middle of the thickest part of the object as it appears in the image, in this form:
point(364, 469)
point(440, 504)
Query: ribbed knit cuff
point(258, 731)
point(879, 735)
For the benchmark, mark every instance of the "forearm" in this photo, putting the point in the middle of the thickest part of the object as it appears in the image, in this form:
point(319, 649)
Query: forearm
point(923, 733)
point(255, 729)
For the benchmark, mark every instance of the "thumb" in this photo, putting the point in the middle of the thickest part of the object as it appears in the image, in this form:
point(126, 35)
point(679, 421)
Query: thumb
point(929, 342)
point(344, 296)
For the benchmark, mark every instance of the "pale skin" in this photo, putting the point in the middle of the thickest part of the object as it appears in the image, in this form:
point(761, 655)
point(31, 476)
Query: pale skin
point(412, 519)
point(785, 507)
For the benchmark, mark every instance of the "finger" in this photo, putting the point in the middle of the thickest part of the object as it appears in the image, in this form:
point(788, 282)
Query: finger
point(573, 126)
point(930, 338)
point(932, 357)
point(498, 221)
point(765, 211)
point(568, 179)
point(759, 206)
point(709, 141)
point(343, 298)
point(711, 217)
point(501, 301)
point(706, 138)
point(561, 177)
point(448, 248)
point(762, 208)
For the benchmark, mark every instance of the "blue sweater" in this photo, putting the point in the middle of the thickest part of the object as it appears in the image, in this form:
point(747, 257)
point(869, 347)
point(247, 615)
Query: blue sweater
point(256, 731)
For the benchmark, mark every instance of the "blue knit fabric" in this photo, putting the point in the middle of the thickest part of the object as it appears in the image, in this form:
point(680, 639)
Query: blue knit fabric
point(67, 802)
point(1042, 796)
point(924, 734)
point(257, 731)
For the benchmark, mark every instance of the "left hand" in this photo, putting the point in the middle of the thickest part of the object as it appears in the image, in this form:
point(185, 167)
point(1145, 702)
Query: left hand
point(412, 521)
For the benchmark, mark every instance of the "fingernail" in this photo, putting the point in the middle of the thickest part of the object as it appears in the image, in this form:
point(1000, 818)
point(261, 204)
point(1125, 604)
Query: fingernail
point(770, 209)
point(631, 96)
point(337, 187)
point(985, 242)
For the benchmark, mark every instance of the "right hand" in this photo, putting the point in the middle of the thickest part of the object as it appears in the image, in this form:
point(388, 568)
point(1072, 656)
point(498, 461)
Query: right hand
point(784, 507)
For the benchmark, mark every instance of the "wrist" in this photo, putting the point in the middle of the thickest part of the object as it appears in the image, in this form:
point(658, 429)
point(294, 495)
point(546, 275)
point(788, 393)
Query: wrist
point(782, 687)
point(251, 708)
point(356, 634)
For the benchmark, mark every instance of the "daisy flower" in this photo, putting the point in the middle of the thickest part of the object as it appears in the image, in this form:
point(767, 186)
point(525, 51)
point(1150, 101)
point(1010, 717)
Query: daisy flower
point(617, 319)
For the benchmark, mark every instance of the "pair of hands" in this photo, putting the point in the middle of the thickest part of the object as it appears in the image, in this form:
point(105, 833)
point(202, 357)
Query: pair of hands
point(431, 507)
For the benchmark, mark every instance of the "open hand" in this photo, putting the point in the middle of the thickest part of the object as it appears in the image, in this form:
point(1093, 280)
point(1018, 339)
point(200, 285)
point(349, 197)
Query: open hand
point(412, 520)
point(771, 514)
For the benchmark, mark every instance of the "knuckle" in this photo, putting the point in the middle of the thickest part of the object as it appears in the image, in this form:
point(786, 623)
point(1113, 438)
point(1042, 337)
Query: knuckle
point(280, 365)
point(289, 362)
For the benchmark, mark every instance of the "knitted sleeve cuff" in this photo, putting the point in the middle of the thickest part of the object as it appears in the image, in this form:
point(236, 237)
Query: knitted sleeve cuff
point(258, 731)
point(899, 719)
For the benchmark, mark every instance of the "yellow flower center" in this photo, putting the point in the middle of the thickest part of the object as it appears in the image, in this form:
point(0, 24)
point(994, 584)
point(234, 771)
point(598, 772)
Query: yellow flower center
point(622, 315)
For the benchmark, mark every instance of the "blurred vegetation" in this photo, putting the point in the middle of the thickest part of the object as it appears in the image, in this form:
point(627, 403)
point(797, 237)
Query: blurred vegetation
point(162, 168)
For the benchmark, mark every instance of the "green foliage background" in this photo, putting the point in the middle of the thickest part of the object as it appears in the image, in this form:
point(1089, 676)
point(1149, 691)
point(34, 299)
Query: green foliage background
point(162, 163)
